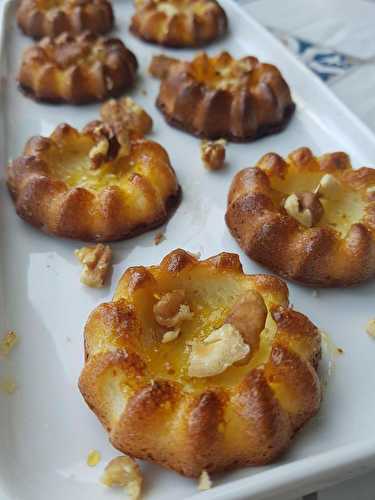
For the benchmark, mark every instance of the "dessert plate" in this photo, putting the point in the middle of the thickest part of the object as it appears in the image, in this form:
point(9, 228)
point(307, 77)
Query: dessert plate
point(46, 430)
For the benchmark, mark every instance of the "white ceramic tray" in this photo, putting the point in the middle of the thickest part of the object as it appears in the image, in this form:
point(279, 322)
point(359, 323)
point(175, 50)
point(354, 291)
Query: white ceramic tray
point(46, 430)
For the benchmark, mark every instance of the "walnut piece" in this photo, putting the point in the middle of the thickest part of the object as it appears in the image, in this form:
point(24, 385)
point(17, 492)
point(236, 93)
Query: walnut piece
point(99, 153)
point(370, 328)
point(329, 187)
point(221, 349)
point(204, 482)
point(7, 343)
point(171, 309)
point(213, 154)
point(248, 316)
point(124, 471)
point(304, 207)
point(96, 264)
point(160, 66)
point(124, 115)
point(170, 336)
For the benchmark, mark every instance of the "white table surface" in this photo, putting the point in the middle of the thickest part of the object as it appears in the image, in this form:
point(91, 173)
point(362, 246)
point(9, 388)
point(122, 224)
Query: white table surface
point(344, 32)
point(336, 38)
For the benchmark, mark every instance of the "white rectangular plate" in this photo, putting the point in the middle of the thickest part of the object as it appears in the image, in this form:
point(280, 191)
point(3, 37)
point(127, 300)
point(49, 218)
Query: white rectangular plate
point(46, 430)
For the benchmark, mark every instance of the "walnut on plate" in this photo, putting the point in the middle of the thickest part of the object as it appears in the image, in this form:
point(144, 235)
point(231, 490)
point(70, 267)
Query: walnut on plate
point(213, 154)
point(96, 264)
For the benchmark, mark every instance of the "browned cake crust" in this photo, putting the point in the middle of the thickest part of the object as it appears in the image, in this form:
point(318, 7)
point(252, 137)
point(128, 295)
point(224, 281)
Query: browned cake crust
point(40, 18)
point(179, 23)
point(77, 69)
point(89, 186)
point(152, 409)
point(221, 97)
point(338, 249)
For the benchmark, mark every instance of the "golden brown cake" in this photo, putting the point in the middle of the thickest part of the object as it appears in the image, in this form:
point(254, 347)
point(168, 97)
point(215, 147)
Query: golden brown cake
point(77, 69)
point(310, 219)
point(197, 366)
point(178, 23)
point(221, 97)
point(126, 114)
point(40, 18)
point(93, 185)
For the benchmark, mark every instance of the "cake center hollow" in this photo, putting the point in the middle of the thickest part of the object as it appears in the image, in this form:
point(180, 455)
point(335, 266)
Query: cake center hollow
point(174, 7)
point(72, 165)
point(210, 303)
point(223, 72)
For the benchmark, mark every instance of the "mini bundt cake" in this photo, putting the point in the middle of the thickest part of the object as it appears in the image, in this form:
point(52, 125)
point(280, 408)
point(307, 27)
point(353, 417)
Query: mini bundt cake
point(197, 366)
point(77, 69)
point(40, 18)
point(93, 185)
point(221, 97)
point(309, 219)
point(179, 23)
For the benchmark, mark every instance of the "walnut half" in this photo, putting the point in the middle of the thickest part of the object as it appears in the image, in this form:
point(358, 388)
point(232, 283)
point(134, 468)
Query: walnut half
point(96, 264)
point(171, 309)
point(305, 208)
point(160, 66)
point(213, 154)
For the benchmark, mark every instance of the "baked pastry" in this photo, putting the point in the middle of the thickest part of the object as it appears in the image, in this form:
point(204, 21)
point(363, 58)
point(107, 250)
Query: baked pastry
point(191, 356)
point(126, 114)
point(40, 18)
point(309, 219)
point(221, 97)
point(77, 69)
point(93, 185)
point(178, 23)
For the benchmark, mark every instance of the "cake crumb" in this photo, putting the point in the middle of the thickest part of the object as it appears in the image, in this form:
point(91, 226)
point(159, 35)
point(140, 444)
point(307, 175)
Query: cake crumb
point(159, 237)
point(340, 351)
point(8, 385)
point(7, 343)
point(124, 471)
point(204, 482)
point(93, 458)
point(370, 328)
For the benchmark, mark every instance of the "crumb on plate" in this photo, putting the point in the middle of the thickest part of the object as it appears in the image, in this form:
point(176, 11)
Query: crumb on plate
point(8, 385)
point(204, 482)
point(93, 458)
point(370, 328)
point(159, 237)
point(124, 471)
point(8, 342)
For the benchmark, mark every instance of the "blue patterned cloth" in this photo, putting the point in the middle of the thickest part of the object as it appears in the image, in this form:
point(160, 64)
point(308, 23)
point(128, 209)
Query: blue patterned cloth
point(327, 63)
